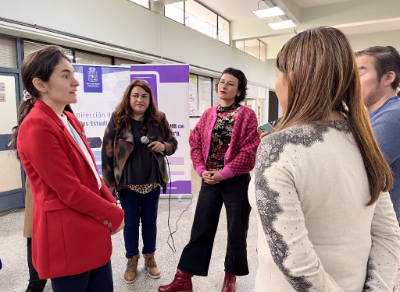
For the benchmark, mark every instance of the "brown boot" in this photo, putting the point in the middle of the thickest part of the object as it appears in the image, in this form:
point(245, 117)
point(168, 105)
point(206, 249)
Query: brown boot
point(151, 266)
point(131, 269)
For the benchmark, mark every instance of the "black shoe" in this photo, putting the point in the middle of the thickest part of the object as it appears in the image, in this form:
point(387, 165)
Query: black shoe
point(36, 286)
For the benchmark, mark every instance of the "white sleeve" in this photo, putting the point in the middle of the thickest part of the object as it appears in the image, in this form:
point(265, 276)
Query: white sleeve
point(284, 223)
point(383, 262)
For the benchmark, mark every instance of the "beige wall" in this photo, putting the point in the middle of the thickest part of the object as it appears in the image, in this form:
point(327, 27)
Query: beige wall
point(122, 23)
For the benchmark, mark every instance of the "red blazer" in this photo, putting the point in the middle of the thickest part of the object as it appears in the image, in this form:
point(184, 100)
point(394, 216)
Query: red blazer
point(72, 218)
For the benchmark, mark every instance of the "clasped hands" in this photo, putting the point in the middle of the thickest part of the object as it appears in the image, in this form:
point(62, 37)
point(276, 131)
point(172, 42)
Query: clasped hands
point(211, 177)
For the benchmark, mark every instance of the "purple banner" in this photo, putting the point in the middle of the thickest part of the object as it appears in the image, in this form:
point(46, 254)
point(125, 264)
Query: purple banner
point(168, 73)
point(180, 187)
point(176, 160)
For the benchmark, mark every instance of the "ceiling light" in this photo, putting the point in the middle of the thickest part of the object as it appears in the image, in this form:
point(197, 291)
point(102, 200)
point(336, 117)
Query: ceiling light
point(269, 12)
point(282, 24)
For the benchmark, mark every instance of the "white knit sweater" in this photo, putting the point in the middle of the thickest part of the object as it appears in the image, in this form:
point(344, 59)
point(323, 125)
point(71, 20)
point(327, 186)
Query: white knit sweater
point(316, 233)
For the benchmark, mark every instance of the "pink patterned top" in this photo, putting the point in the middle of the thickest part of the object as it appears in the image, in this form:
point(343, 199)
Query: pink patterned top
point(241, 155)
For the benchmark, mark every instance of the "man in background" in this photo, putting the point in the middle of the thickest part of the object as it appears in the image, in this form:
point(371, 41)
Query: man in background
point(379, 69)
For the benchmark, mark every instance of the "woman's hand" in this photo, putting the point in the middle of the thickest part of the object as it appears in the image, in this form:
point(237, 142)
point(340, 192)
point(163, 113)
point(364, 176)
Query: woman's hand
point(119, 228)
point(262, 134)
point(211, 177)
point(157, 147)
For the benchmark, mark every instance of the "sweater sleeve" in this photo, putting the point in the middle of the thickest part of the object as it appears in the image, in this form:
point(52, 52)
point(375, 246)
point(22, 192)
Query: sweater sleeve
point(383, 262)
point(245, 160)
point(171, 143)
point(196, 151)
point(283, 221)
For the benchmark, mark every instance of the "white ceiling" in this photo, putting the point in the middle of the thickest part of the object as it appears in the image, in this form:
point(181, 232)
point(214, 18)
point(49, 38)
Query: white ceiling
point(312, 3)
point(234, 9)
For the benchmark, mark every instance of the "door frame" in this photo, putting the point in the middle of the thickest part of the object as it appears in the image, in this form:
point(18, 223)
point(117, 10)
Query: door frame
point(5, 139)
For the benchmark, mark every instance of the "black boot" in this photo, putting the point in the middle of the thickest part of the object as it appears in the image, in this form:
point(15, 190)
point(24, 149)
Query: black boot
point(36, 286)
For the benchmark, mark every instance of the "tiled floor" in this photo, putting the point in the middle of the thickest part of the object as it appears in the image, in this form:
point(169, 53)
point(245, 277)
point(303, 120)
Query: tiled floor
point(14, 275)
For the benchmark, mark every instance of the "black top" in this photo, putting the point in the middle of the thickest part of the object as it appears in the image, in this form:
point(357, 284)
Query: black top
point(221, 136)
point(141, 168)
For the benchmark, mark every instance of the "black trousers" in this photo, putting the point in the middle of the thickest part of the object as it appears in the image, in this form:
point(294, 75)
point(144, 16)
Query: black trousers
point(196, 255)
point(33, 275)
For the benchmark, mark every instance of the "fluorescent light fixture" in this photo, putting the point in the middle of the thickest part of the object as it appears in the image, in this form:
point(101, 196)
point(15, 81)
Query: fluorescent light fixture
point(282, 24)
point(269, 12)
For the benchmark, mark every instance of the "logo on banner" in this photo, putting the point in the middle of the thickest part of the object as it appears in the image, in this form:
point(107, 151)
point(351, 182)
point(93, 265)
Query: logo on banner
point(92, 79)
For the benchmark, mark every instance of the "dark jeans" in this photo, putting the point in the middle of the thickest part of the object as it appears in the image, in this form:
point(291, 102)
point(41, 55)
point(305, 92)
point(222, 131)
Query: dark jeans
point(145, 207)
point(33, 275)
point(195, 258)
point(96, 280)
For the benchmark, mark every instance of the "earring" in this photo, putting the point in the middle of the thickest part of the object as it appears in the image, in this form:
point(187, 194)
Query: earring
point(238, 95)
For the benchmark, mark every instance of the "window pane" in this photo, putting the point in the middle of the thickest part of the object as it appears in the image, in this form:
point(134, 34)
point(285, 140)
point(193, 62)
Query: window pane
point(260, 112)
point(120, 61)
point(263, 49)
point(93, 59)
point(215, 92)
point(193, 100)
point(240, 45)
point(8, 49)
point(223, 30)
point(252, 47)
point(175, 11)
point(144, 3)
point(200, 18)
point(204, 94)
point(251, 103)
point(30, 47)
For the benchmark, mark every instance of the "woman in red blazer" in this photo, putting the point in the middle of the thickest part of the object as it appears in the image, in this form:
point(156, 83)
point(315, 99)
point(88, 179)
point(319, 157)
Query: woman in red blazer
point(74, 213)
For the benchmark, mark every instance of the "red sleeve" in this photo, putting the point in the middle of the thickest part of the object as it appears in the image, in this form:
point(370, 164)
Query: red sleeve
point(50, 162)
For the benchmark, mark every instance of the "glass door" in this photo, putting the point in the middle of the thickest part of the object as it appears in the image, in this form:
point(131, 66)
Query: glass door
point(12, 194)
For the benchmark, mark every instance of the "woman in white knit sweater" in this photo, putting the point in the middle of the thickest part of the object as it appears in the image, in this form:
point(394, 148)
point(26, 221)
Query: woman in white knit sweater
point(326, 222)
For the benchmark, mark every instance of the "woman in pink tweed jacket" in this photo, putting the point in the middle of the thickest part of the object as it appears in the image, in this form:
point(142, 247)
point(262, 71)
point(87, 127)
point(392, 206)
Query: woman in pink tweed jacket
point(224, 144)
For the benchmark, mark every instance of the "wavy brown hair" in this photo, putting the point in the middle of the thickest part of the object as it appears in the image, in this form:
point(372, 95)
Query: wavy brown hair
point(322, 74)
point(123, 111)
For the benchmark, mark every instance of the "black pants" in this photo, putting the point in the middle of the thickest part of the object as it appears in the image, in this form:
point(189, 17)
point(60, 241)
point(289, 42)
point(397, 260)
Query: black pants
point(33, 275)
point(195, 258)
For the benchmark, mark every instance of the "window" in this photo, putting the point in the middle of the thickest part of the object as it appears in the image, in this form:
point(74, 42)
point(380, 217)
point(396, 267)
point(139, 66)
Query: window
point(193, 100)
point(92, 59)
point(8, 49)
point(223, 30)
point(200, 18)
point(193, 14)
point(205, 94)
point(256, 48)
point(175, 12)
point(215, 92)
point(120, 61)
point(144, 3)
point(30, 47)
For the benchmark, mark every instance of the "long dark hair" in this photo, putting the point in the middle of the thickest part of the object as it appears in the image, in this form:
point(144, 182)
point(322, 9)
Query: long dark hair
point(242, 87)
point(124, 111)
point(322, 75)
point(39, 64)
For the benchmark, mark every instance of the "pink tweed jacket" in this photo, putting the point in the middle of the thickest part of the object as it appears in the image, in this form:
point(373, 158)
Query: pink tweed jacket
point(240, 157)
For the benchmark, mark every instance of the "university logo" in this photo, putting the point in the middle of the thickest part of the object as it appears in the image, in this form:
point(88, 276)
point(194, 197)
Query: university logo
point(92, 75)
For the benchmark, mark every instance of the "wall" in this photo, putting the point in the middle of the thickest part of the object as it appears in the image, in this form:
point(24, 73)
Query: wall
point(125, 24)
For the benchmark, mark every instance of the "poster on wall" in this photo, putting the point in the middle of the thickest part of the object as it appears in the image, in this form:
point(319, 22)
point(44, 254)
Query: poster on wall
point(170, 86)
point(193, 98)
point(101, 89)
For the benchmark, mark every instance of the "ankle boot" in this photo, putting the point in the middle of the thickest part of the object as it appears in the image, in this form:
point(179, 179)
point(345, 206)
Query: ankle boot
point(151, 266)
point(130, 275)
point(36, 286)
point(181, 283)
point(229, 282)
